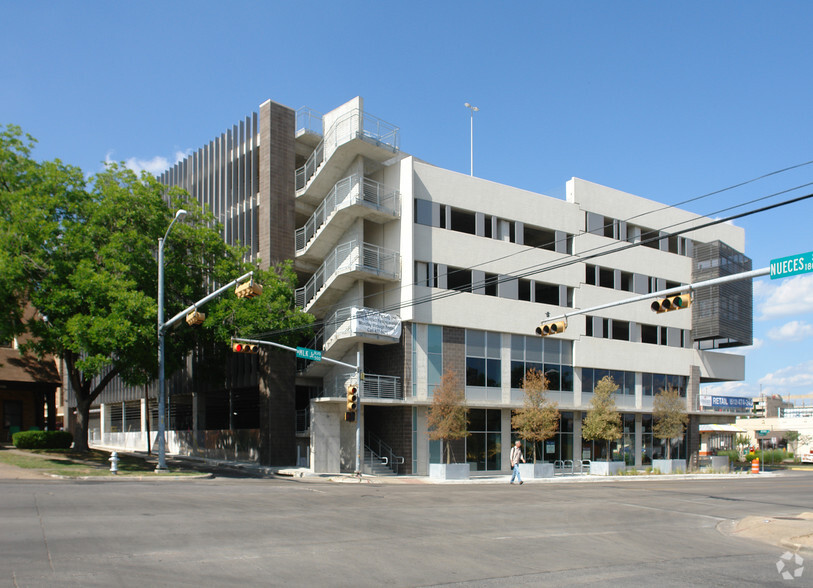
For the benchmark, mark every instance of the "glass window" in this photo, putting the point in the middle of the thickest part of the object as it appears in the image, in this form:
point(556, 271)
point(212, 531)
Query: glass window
point(553, 351)
point(587, 380)
point(567, 378)
point(646, 384)
point(517, 347)
point(493, 344)
point(533, 349)
point(423, 212)
point(475, 371)
point(553, 376)
point(475, 343)
point(493, 373)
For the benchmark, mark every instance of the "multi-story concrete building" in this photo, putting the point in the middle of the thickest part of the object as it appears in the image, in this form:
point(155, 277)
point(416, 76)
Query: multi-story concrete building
point(414, 270)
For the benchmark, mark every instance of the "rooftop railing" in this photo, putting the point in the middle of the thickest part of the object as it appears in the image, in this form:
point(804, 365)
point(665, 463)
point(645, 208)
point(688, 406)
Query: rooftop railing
point(355, 124)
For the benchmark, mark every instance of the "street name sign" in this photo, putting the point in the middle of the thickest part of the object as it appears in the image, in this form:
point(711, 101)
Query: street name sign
point(792, 265)
point(311, 354)
point(763, 432)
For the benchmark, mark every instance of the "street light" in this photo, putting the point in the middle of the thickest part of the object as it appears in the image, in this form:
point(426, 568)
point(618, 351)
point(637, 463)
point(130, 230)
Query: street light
point(162, 459)
point(473, 109)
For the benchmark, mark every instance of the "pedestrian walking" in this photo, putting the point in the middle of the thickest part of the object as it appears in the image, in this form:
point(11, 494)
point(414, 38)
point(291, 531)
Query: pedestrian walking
point(515, 457)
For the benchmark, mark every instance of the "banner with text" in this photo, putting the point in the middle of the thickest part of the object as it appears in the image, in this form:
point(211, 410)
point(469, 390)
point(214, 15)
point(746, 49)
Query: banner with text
point(737, 402)
point(365, 320)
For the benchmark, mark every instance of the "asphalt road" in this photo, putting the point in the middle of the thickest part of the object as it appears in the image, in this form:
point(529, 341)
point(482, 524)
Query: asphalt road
point(297, 532)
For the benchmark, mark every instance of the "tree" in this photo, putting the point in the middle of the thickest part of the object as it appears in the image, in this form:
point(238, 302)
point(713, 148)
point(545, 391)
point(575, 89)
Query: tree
point(742, 442)
point(603, 421)
point(448, 414)
point(669, 413)
point(793, 439)
point(84, 254)
point(538, 419)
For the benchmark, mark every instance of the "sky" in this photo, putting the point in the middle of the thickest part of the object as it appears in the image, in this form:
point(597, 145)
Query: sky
point(669, 101)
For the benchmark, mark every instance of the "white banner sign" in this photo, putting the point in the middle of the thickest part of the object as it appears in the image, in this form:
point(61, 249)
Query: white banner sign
point(365, 320)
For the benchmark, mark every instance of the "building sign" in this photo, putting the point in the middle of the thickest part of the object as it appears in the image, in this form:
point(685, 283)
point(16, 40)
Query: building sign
point(737, 402)
point(364, 320)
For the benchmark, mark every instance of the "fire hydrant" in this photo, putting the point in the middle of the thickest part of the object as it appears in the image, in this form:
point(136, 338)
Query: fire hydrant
point(114, 463)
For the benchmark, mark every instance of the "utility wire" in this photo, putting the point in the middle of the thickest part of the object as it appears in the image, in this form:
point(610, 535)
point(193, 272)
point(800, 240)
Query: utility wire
point(578, 259)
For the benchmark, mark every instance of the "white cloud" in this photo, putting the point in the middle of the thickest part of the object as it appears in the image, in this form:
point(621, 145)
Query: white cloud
point(730, 389)
point(790, 296)
point(792, 331)
point(155, 165)
point(795, 376)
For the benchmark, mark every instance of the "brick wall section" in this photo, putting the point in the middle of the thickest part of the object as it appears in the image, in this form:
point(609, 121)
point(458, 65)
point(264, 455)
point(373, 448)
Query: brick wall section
point(276, 243)
point(277, 195)
point(393, 425)
point(454, 352)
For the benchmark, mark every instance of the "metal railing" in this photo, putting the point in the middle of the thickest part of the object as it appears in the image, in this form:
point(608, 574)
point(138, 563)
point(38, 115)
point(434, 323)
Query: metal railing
point(308, 120)
point(375, 386)
point(352, 125)
point(571, 466)
point(349, 257)
point(382, 453)
point(303, 421)
point(347, 192)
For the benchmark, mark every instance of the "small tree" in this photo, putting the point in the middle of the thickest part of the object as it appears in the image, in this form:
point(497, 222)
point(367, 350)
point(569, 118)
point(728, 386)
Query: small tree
point(742, 442)
point(538, 419)
point(448, 414)
point(669, 412)
point(793, 439)
point(603, 421)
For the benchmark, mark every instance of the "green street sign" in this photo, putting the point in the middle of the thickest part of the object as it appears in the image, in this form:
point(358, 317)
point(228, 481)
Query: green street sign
point(311, 354)
point(790, 266)
point(763, 432)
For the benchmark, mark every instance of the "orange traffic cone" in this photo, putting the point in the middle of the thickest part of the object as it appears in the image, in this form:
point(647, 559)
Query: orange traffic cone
point(755, 466)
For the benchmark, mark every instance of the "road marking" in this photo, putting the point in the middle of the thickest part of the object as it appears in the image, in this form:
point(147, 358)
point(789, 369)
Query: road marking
point(681, 512)
point(547, 535)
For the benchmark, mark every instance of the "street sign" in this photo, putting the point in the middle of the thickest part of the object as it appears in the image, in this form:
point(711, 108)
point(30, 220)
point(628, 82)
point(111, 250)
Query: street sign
point(311, 354)
point(790, 266)
point(764, 432)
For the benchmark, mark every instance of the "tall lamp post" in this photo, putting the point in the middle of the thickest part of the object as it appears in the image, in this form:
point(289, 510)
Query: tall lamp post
point(473, 109)
point(162, 459)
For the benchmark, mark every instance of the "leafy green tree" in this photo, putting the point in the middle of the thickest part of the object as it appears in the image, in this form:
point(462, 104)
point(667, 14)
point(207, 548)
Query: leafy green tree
point(83, 253)
point(669, 413)
point(447, 416)
point(538, 419)
point(741, 442)
point(603, 421)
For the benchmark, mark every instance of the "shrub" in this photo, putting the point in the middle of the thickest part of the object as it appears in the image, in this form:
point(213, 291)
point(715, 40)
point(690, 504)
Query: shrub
point(42, 440)
point(770, 456)
point(733, 455)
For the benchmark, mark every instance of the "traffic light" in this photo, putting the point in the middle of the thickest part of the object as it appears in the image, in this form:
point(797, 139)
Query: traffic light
point(195, 318)
point(245, 348)
point(248, 289)
point(553, 328)
point(352, 398)
point(671, 303)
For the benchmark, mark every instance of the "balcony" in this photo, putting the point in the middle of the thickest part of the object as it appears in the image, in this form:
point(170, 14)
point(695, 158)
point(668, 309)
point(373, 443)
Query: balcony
point(351, 325)
point(351, 198)
point(355, 133)
point(374, 386)
point(347, 263)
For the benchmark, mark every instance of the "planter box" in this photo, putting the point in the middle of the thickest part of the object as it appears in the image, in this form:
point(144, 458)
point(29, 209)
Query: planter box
point(534, 471)
point(670, 466)
point(606, 468)
point(451, 471)
point(720, 462)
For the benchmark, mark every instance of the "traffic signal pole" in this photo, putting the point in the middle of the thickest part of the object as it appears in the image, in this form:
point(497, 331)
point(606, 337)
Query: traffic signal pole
point(667, 292)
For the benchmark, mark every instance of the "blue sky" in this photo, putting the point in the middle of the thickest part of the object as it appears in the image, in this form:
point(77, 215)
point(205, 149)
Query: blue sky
point(664, 100)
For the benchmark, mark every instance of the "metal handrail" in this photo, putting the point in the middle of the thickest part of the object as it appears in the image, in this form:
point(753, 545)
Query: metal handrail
point(347, 192)
point(383, 452)
point(349, 257)
point(354, 124)
point(375, 386)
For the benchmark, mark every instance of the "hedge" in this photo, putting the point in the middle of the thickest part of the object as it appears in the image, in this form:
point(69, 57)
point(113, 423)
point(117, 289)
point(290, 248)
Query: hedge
point(42, 440)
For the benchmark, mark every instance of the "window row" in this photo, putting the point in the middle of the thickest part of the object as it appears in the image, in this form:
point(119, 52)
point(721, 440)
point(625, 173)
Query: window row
point(613, 228)
point(434, 214)
point(606, 277)
point(651, 384)
point(606, 328)
point(447, 277)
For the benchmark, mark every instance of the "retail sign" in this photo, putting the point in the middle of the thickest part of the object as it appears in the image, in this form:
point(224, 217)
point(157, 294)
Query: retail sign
point(311, 354)
point(738, 402)
point(791, 266)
